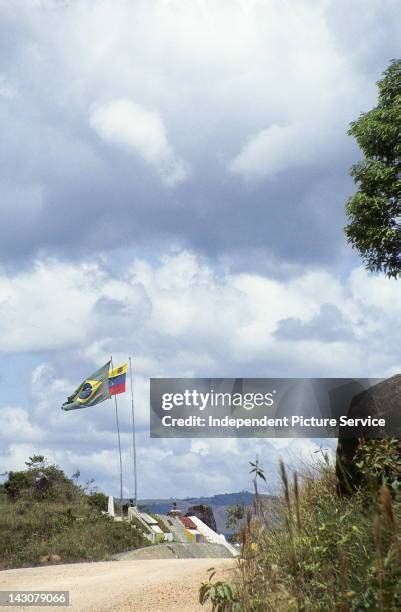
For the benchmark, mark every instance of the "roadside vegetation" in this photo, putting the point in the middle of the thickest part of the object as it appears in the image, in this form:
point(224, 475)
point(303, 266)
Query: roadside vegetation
point(46, 517)
point(322, 551)
point(326, 551)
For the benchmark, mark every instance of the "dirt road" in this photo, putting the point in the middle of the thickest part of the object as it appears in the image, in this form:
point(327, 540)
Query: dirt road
point(156, 585)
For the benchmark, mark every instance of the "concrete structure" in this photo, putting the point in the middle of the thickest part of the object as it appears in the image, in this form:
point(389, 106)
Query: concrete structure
point(110, 506)
point(178, 529)
point(213, 537)
point(150, 525)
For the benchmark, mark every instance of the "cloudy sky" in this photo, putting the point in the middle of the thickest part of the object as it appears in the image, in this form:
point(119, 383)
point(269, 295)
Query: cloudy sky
point(172, 184)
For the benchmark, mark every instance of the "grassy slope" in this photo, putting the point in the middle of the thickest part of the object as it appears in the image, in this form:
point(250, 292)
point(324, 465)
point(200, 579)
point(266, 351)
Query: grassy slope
point(33, 530)
point(326, 553)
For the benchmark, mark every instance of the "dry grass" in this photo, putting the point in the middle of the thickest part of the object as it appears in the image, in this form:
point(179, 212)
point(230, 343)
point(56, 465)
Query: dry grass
point(66, 533)
point(325, 553)
point(61, 524)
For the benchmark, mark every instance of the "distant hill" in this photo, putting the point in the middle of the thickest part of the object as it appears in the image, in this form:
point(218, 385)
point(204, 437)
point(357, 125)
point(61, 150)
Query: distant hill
point(218, 503)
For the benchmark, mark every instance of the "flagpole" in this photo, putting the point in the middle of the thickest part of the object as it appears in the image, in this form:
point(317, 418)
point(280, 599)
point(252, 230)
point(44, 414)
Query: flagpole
point(133, 433)
point(119, 450)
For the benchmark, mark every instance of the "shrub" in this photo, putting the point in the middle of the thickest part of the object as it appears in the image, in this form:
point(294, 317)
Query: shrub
point(379, 463)
point(98, 501)
point(323, 552)
point(219, 593)
point(58, 523)
point(16, 483)
point(47, 483)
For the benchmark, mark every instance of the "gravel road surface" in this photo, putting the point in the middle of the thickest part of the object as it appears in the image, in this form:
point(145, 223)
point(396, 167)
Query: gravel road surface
point(156, 585)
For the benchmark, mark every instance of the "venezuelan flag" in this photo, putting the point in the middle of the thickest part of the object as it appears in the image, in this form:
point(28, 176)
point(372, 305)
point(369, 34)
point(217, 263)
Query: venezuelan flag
point(117, 379)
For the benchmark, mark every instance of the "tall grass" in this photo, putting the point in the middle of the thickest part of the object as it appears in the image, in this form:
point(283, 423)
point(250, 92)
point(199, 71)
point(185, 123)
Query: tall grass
point(325, 552)
point(61, 523)
point(33, 534)
point(322, 552)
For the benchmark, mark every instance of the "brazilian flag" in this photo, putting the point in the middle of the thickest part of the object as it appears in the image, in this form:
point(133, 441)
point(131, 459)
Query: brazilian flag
point(93, 390)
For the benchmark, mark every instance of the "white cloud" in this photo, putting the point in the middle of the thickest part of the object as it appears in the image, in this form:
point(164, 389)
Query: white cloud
point(43, 309)
point(278, 148)
point(127, 125)
point(180, 319)
point(256, 87)
point(223, 76)
point(7, 89)
point(182, 316)
point(16, 426)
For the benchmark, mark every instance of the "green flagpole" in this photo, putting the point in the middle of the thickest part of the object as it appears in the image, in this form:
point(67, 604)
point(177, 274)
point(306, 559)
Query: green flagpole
point(119, 450)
